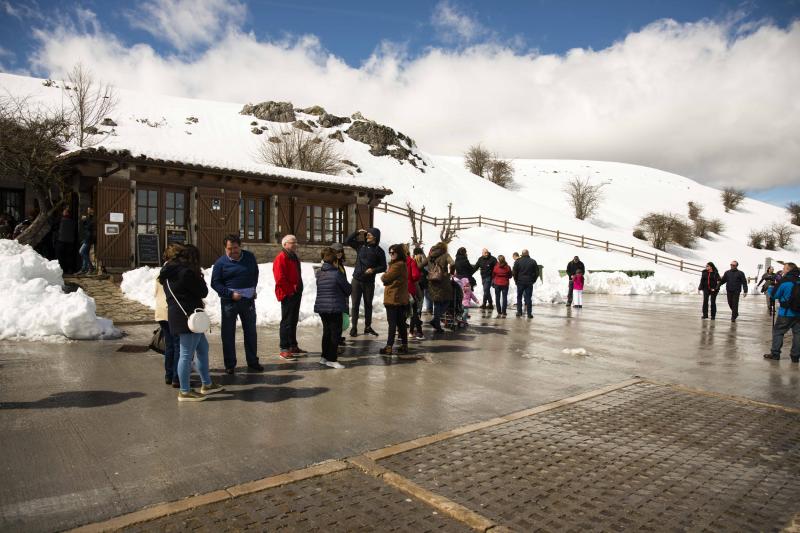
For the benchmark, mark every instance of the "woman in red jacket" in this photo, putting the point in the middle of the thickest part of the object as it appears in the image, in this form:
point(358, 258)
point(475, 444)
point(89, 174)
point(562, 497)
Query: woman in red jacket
point(501, 274)
point(414, 275)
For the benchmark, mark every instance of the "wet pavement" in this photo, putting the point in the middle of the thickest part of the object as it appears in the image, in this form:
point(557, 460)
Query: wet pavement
point(89, 432)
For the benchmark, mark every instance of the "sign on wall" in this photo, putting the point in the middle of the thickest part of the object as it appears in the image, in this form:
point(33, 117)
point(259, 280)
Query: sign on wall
point(116, 217)
point(111, 229)
point(148, 251)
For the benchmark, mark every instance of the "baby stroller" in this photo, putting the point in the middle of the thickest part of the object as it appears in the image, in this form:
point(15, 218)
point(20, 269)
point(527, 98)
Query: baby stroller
point(455, 309)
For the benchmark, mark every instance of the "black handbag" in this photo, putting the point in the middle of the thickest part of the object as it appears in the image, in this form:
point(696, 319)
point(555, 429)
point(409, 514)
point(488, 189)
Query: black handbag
point(157, 343)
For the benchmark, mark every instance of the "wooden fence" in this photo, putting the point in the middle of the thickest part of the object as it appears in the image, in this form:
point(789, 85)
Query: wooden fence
point(535, 231)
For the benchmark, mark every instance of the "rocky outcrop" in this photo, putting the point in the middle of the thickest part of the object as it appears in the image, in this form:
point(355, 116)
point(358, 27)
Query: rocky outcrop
point(108, 122)
point(314, 110)
point(270, 111)
point(275, 140)
point(382, 140)
point(331, 121)
point(337, 135)
point(257, 131)
point(357, 116)
point(300, 125)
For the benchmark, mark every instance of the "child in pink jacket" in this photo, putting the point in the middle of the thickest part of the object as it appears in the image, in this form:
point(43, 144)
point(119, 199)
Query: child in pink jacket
point(469, 297)
point(577, 289)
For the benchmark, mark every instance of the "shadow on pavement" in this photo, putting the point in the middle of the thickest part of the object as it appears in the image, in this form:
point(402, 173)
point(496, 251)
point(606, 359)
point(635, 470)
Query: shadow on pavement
point(270, 394)
point(83, 399)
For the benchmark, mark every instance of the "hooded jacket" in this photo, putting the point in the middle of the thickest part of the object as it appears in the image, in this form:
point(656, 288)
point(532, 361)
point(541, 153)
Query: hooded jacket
point(783, 292)
point(369, 256)
point(188, 288)
point(332, 290)
point(441, 290)
point(465, 269)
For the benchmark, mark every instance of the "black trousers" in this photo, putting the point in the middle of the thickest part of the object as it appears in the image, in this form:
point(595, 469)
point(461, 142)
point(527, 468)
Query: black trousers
point(396, 315)
point(65, 251)
point(331, 333)
point(710, 297)
point(733, 303)
point(290, 315)
point(569, 294)
point(367, 290)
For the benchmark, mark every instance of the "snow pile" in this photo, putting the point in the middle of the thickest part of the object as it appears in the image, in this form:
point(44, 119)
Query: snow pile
point(35, 305)
point(139, 285)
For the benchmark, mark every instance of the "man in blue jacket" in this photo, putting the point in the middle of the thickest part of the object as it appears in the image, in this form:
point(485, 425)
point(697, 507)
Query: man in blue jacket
point(235, 278)
point(788, 294)
point(371, 260)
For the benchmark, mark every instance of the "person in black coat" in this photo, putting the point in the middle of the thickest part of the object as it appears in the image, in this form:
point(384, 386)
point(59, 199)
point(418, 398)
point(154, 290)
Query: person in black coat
point(88, 239)
point(573, 267)
point(465, 269)
point(709, 285)
point(65, 242)
point(525, 272)
point(485, 264)
point(371, 260)
point(735, 282)
point(185, 289)
point(332, 293)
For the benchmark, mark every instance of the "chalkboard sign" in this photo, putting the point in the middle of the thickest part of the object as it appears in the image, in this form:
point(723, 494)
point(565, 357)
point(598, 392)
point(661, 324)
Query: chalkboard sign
point(147, 249)
point(176, 236)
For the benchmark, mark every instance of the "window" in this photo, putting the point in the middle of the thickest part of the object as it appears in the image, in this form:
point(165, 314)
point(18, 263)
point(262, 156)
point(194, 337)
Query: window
point(147, 211)
point(175, 209)
point(253, 219)
point(12, 203)
point(324, 224)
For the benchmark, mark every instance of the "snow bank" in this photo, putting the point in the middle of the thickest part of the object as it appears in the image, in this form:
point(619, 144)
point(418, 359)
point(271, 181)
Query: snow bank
point(139, 285)
point(35, 305)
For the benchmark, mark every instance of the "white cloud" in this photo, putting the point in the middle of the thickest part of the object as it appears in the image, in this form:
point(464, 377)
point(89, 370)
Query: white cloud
point(702, 99)
point(23, 10)
point(186, 24)
point(454, 26)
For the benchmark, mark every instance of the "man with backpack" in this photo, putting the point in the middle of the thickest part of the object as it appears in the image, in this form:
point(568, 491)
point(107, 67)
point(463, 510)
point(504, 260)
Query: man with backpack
point(788, 295)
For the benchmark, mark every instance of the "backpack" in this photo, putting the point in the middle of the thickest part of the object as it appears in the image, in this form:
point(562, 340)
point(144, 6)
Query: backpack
point(794, 299)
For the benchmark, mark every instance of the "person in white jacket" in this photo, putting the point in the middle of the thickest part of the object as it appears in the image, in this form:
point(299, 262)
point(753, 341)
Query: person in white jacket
point(171, 342)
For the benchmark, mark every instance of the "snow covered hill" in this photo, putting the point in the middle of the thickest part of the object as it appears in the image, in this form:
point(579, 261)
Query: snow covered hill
point(216, 134)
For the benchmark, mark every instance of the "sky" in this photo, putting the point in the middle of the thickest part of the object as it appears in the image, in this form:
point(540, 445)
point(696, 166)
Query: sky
point(704, 88)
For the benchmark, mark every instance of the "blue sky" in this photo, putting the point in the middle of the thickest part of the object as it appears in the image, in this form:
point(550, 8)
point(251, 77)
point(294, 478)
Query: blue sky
point(653, 82)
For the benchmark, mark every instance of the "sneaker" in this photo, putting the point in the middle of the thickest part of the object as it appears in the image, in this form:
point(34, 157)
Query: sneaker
point(287, 356)
point(353, 332)
point(168, 381)
point(505, 315)
point(297, 349)
point(370, 331)
point(334, 364)
point(191, 396)
point(230, 371)
point(704, 317)
point(205, 390)
point(772, 357)
point(255, 368)
point(519, 315)
point(530, 316)
point(419, 336)
point(176, 384)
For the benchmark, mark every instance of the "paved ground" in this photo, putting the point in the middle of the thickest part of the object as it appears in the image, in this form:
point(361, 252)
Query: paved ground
point(89, 432)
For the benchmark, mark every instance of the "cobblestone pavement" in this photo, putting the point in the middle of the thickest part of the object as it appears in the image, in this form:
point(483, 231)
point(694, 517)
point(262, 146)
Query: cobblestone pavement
point(645, 457)
point(110, 302)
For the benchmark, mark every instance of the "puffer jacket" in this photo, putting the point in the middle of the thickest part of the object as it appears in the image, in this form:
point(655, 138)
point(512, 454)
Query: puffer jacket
point(333, 290)
point(441, 290)
point(414, 275)
point(188, 288)
point(501, 275)
point(369, 256)
point(395, 284)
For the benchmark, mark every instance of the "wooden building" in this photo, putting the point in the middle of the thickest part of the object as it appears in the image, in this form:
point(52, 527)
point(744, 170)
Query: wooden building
point(141, 204)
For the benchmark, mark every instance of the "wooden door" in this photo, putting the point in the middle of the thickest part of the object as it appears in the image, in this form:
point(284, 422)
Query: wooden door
point(114, 249)
point(285, 222)
point(217, 216)
point(363, 217)
point(299, 216)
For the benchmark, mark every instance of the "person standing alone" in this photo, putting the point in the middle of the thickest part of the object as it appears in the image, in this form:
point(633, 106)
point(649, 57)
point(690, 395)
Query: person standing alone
point(289, 291)
point(735, 282)
point(371, 260)
point(235, 278)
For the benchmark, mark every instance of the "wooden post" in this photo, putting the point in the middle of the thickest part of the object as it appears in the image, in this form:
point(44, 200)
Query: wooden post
point(479, 221)
point(434, 222)
point(458, 223)
point(631, 251)
point(531, 230)
point(656, 259)
point(583, 240)
point(385, 207)
point(505, 226)
point(681, 265)
point(558, 235)
point(606, 246)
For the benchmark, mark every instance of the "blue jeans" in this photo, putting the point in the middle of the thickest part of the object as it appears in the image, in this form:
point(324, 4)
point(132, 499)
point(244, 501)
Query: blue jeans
point(487, 291)
point(525, 291)
point(428, 301)
point(501, 299)
point(86, 261)
point(246, 310)
point(191, 343)
point(172, 352)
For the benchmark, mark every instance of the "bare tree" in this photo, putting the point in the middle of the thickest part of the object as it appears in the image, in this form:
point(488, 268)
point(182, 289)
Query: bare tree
point(695, 211)
point(783, 234)
point(501, 172)
point(295, 148)
point(731, 198)
point(583, 196)
point(448, 232)
point(416, 235)
point(477, 160)
point(90, 103)
point(664, 228)
point(31, 139)
point(794, 211)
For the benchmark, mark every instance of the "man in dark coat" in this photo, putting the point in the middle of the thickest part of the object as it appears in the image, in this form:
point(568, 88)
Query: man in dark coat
point(572, 267)
point(735, 282)
point(65, 242)
point(235, 278)
point(371, 260)
point(485, 264)
point(525, 272)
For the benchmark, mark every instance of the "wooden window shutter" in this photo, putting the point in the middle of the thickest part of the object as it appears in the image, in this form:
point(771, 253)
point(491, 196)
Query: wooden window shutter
point(299, 226)
point(284, 226)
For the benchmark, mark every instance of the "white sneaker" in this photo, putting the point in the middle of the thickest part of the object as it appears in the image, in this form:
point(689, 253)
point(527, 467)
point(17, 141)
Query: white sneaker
point(323, 361)
point(334, 364)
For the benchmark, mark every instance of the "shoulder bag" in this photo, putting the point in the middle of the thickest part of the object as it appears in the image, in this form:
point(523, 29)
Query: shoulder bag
point(198, 321)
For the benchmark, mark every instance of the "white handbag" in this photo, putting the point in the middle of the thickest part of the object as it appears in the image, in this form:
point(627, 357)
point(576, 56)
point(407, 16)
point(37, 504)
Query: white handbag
point(198, 321)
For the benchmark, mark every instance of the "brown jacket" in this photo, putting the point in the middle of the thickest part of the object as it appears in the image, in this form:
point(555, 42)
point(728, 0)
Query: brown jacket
point(395, 284)
point(442, 290)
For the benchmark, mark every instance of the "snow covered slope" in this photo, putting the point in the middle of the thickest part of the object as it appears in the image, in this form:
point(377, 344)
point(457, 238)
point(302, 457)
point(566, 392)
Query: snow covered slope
point(159, 127)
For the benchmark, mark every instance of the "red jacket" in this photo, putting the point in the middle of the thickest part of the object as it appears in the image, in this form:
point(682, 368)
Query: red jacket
point(413, 275)
point(501, 275)
point(287, 275)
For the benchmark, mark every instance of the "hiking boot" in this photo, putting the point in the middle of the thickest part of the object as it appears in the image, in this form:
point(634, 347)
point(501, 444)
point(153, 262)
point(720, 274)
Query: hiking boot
point(286, 355)
point(386, 350)
point(297, 349)
point(772, 357)
point(191, 396)
point(212, 388)
point(370, 331)
point(353, 332)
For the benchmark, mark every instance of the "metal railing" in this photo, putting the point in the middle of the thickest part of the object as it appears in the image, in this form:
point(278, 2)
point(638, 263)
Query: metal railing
point(535, 231)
